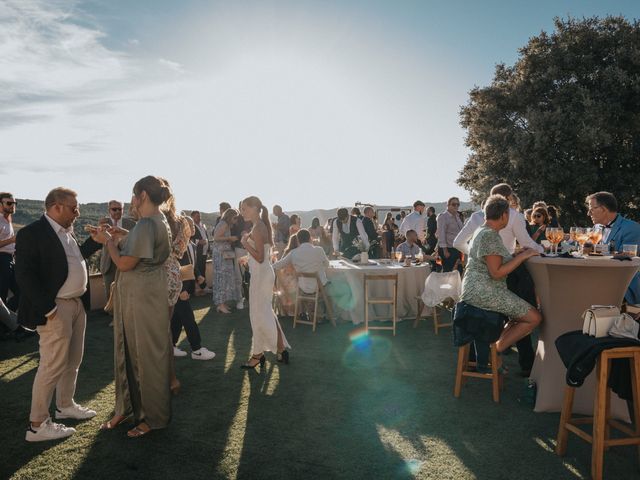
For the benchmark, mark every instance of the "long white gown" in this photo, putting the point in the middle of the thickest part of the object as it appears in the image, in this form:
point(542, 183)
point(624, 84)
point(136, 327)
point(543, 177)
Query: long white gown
point(264, 322)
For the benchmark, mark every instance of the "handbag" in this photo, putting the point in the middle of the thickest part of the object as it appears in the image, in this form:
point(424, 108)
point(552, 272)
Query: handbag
point(625, 326)
point(187, 272)
point(598, 320)
point(108, 308)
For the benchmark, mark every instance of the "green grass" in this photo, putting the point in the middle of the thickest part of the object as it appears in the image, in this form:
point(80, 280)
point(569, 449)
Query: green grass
point(338, 411)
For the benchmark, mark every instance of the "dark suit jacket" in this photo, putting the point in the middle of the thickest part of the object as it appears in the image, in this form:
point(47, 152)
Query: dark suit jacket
point(41, 270)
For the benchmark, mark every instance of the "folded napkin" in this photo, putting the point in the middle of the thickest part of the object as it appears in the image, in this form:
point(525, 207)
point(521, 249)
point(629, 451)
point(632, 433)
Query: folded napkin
point(621, 257)
point(560, 255)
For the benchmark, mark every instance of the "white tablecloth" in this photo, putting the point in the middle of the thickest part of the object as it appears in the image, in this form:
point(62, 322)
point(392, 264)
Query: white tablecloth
point(348, 279)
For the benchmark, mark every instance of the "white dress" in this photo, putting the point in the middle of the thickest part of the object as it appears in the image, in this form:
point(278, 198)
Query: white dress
point(264, 322)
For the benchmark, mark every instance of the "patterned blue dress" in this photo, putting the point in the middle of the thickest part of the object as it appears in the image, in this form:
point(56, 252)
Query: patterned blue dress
point(227, 285)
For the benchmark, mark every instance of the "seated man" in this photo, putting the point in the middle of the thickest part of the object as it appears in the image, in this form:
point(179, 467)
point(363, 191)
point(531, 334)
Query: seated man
point(409, 248)
point(617, 231)
point(307, 258)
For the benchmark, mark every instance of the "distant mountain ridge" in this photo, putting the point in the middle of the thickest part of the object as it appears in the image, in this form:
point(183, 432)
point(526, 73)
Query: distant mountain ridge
point(30, 210)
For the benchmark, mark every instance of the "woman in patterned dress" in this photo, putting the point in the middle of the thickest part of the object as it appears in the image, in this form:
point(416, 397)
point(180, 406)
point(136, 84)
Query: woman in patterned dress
point(227, 285)
point(484, 284)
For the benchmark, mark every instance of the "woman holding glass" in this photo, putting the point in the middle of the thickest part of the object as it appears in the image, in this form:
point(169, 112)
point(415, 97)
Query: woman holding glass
point(140, 315)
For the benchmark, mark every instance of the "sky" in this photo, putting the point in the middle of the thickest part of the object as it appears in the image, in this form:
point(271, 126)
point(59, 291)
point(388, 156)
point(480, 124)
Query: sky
point(309, 104)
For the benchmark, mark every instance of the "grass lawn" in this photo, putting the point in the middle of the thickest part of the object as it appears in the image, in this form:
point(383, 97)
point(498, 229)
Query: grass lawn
point(381, 407)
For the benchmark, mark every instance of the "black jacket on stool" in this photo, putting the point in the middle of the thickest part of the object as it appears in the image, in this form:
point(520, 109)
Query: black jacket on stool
point(41, 270)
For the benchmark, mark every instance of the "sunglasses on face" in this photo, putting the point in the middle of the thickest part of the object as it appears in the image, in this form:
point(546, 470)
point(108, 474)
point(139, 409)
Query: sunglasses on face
point(9, 203)
point(455, 204)
point(115, 209)
point(537, 215)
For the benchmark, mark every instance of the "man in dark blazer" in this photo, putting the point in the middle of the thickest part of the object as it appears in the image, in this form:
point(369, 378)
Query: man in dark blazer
point(52, 274)
point(201, 241)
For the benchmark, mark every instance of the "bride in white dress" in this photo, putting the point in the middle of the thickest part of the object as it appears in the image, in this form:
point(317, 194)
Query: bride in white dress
point(267, 332)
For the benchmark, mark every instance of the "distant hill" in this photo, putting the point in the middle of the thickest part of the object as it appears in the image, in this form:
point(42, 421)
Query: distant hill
point(30, 210)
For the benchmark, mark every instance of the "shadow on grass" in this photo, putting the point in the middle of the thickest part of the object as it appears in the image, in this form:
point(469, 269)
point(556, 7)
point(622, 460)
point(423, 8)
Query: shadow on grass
point(348, 406)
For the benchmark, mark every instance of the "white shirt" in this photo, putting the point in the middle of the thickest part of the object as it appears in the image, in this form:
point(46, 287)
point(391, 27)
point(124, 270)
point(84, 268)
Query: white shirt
point(346, 227)
point(414, 221)
point(6, 231)
point(76, 283)
point(306, 258)
point(203, 232)
point(516, 230)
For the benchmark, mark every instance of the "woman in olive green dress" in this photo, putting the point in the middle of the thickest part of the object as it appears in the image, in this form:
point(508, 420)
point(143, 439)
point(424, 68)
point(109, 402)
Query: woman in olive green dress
point(485, 279)
point(141, 318)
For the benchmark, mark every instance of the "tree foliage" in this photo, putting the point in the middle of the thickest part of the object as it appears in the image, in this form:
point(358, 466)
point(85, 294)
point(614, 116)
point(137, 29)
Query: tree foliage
point(563, 121)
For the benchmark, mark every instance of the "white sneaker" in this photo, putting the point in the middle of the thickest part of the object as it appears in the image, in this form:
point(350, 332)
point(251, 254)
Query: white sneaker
point(48, 431)
point(179, 353)
point(202, 354)
point(240, 305)
point(75, 411)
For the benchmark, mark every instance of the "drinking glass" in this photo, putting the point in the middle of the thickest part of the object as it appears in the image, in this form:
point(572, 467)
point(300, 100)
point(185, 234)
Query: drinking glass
point(595, 236)
point(398, 255)
point(582, 236)
point(555, 236)
point(631, 250)
point(572, 234)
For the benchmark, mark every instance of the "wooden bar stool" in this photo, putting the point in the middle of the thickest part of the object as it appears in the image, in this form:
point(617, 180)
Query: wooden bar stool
point(462, 372)
point(434, 313)
point(601, 420)
point(302, 296)
point(393, 300)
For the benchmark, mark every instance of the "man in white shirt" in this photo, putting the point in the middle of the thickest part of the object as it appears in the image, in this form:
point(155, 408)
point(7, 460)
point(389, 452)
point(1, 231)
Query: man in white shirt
point(52, 274)
point(306, 258)
point(7, 249)
point(415, 221)
point(346, 229)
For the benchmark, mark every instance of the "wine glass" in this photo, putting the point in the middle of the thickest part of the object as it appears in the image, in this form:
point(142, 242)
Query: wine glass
point(595, 236)
point(553, 237)
point(572, 234)
point(582, 236)
point(398, 255)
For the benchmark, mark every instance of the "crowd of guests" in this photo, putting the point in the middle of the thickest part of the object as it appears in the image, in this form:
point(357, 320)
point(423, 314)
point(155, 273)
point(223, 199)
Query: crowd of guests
point(153, 261)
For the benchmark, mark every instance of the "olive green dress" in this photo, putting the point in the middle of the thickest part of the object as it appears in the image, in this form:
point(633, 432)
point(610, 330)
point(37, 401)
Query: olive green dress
point(141, 326)
point(479, 288)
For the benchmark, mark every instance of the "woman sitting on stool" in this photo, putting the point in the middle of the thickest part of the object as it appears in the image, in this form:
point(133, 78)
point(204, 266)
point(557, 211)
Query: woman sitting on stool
point(484, 285)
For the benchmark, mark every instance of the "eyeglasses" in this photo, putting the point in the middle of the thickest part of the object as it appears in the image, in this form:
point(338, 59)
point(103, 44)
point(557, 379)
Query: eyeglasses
point(10, 203)
point(591, 209)
point(73, 208)
point(115, 209)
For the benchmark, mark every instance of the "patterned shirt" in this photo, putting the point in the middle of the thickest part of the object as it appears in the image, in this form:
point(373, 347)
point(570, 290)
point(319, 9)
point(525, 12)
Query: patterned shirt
point(448, 228)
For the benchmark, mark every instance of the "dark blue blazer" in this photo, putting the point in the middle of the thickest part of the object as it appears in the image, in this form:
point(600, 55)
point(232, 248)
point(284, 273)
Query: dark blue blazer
point(41, 270)
point(627, 232)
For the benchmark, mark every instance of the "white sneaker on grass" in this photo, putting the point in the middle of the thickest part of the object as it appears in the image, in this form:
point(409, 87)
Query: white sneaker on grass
point(75, 411)
point(178, 352)
point(48, 430)
point(202, 354)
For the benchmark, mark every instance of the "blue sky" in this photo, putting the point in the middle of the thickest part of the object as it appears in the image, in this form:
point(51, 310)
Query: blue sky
point(307, 104)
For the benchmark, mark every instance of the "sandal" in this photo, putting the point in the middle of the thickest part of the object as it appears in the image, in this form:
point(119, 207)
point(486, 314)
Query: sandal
point(110, 425)
point(137, 432)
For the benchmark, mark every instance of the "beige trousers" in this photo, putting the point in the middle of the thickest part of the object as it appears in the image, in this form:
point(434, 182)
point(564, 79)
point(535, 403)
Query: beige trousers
point(61, 349)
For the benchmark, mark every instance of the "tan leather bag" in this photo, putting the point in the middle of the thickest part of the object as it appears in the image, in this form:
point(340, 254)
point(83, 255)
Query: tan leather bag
point(187, 272)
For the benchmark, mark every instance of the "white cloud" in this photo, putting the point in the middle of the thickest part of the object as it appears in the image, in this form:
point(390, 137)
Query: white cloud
point(171, 65)
point(47, 54)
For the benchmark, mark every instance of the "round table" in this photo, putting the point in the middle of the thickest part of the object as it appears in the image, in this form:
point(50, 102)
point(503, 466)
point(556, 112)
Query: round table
point(345, 275)
point(566, 288)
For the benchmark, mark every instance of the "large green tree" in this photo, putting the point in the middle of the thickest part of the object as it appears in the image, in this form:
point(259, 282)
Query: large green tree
point(563, 121)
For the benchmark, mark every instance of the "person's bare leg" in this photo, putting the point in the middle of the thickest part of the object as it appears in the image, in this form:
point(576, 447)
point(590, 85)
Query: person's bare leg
point(518, 329)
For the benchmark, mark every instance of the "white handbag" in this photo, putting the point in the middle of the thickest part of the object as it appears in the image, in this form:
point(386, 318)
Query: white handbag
point(598, 320)
point(625, 327)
